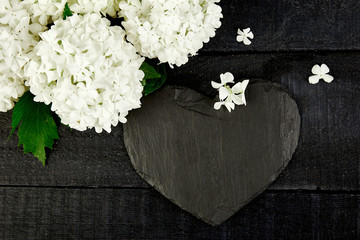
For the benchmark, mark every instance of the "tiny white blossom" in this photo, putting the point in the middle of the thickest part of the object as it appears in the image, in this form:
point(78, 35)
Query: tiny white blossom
point(222, 87)
point(229, 97)
point(321, 72)
point(244, 35)
point(238, 92)
point(13, 58)
point(229, 105)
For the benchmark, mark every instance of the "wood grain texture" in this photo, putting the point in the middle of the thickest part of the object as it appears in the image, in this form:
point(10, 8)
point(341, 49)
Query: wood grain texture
point(299, 33)
point(327, 156)
point(212, 163)
point(289, 25)
point(51, 213)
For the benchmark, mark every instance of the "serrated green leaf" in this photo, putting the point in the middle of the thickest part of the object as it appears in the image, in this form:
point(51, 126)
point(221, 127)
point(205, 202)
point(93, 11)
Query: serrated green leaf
point(150, 72)
point(156, 81)
point(67, 12)
point(36, 126)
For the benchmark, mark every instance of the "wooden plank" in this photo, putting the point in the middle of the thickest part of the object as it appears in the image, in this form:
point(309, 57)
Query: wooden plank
point(78, 159)
point(283, 25)
point(53, 213)
point(328, 156)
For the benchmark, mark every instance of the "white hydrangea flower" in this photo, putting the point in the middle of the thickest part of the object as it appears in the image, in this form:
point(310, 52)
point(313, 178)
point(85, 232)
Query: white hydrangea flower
point(170, 30)
point(12, 12)
point(87, 70)
point(45, 12)
point(109, 7)
point(12, 61)
point(11, 88)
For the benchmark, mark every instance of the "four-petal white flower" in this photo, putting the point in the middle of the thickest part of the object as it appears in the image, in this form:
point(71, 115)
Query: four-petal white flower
point(244, 35)
point(321, 72)
point(229, 97)
point(222, 87)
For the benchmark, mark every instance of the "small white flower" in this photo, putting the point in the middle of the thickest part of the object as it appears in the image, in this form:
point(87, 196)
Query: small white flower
point(222, 87)
point(321, 72)
point(229, 97)
point(238, 90)
point(12, 61)
point(229, 105)
point(244, 35)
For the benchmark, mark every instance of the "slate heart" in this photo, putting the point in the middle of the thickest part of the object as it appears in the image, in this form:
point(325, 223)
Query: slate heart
point(212, 163)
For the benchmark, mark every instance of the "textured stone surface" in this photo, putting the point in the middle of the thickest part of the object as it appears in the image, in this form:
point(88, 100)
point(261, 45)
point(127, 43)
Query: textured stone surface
point(211, 163)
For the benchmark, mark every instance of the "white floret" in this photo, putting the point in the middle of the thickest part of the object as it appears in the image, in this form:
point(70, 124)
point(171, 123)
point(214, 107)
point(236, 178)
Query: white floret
point(170, 30)
point(87, 71)
point(94, 6)
point(12, 61)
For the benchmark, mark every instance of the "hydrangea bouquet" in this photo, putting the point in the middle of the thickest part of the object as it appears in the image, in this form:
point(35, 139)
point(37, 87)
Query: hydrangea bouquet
point(87, 61)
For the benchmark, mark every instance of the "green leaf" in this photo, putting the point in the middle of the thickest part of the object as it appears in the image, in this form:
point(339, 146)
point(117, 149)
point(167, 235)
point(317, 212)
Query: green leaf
point(154, 78)
point(150, 72)
point(36, 126)
point(67, 12)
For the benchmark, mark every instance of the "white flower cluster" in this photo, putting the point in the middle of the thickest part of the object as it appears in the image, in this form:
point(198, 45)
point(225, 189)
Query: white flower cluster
point(38, 14)
point(170, 30)
point(12, 61)
point(87, 70)
point(109, 7)
point(229, 97)
point(84, 67)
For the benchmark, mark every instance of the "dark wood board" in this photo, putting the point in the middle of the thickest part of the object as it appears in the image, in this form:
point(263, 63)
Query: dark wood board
point(61, 213)
point(289, 25)
point(89, 189)
point(328, 155)
point(330, 113)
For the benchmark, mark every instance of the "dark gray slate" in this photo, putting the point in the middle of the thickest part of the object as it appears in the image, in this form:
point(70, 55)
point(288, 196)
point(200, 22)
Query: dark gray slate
point(211, 163)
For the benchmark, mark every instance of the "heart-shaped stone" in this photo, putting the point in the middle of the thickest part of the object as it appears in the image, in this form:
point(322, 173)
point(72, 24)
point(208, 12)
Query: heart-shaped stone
point(212, 163)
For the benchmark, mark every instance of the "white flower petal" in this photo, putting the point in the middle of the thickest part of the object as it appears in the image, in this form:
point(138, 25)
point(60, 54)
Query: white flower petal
point(324, 69)
point(226, 78)
point(237, 88)
point(314, 79)
point(316, 69)
point(243, 99)
point(240, 86)
point(218, 105)
point(240, 38)
point(246, 30)
point(223, 93)
point(247, 41)
point(328, 78)
point(237, 99)
point(230, 106)
point(216, 85)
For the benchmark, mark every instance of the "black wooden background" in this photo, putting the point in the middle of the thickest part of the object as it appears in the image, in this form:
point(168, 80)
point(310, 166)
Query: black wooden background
point(89, 189)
